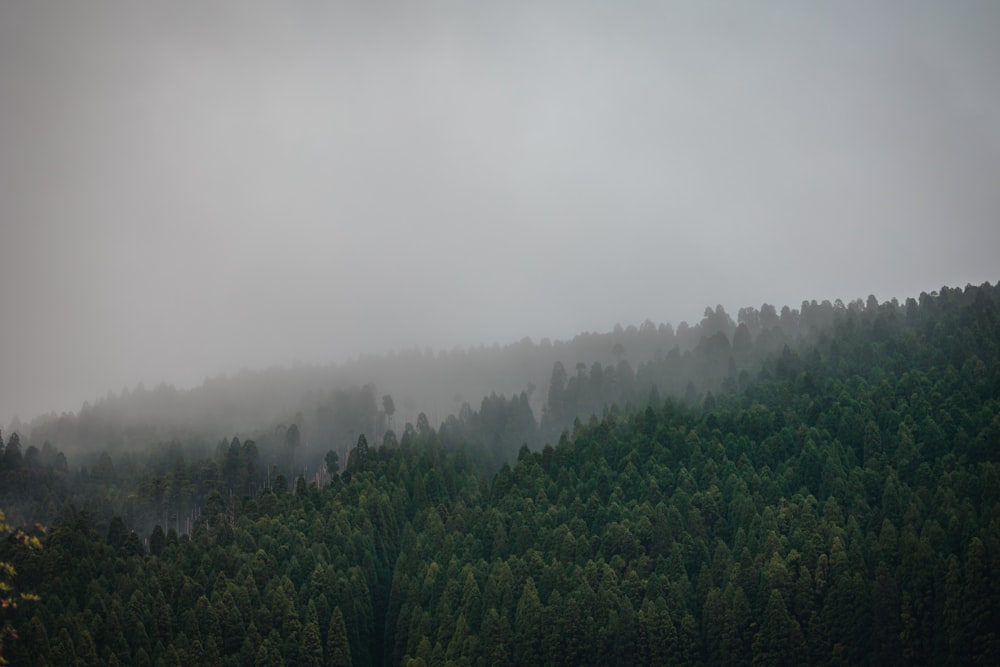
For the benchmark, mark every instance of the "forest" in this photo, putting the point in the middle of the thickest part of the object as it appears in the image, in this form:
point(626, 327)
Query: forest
point(812, 485)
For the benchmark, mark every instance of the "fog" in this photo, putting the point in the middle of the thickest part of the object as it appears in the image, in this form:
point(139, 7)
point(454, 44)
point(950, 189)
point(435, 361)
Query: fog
point(192, 189)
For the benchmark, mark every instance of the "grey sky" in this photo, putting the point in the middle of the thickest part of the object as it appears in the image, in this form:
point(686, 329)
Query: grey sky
point(190, 188)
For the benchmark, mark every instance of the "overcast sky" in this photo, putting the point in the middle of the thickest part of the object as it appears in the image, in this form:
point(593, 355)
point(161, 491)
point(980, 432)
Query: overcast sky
point(188, 188)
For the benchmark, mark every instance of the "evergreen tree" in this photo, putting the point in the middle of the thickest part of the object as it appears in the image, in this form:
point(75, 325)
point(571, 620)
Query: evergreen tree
point(779, 640)
point(528, 626)
point(338, 651)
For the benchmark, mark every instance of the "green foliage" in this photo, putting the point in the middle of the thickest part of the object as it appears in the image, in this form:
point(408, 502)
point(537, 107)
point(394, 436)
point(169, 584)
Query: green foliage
point(826, 494)
point(10, 599)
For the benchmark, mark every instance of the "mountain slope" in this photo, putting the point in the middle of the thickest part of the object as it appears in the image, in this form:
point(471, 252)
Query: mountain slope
point(839, 505)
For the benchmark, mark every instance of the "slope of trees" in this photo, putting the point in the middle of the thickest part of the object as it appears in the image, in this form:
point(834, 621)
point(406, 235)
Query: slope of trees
point(333, 404)
point(829, 495)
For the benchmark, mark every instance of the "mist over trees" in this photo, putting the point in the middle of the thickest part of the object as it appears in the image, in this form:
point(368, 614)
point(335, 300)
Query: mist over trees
point(333, 404)
point(283, 217)
point(814, 485)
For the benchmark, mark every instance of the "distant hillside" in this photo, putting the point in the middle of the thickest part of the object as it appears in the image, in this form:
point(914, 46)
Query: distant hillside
point(332, 405)
point(829, 495)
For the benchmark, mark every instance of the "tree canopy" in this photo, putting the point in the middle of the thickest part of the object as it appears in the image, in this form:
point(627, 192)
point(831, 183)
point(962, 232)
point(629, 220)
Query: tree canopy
point(826, 491)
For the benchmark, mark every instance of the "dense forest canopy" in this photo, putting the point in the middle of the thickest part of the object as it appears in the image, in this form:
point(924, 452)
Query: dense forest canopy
point(815, 485)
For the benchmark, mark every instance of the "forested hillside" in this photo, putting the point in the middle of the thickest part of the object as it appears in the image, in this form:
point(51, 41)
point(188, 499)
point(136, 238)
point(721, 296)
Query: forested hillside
point(322, 398)
point(331, 405)
point(819, 486)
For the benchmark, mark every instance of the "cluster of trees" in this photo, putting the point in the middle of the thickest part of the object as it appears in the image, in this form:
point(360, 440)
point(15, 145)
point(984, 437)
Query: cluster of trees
point(333, 404)
point(836, 502)
point(173, 485)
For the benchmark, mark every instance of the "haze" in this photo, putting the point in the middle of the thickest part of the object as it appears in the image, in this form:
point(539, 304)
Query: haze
point(193, 188)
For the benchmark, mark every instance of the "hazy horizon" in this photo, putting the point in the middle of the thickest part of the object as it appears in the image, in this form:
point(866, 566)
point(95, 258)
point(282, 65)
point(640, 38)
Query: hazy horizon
point(189, 190)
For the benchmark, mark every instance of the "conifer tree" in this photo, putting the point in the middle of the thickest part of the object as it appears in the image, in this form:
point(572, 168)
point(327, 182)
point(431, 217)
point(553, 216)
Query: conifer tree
point(338, 651)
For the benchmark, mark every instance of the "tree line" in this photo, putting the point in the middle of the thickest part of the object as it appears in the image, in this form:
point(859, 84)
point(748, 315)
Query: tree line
point(837, 504)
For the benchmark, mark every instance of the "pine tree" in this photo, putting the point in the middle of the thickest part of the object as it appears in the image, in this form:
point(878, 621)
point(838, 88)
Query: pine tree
point(779, 640)
point(338, 651)
point(528, 626)
point(495, 639)
point(311, 649)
